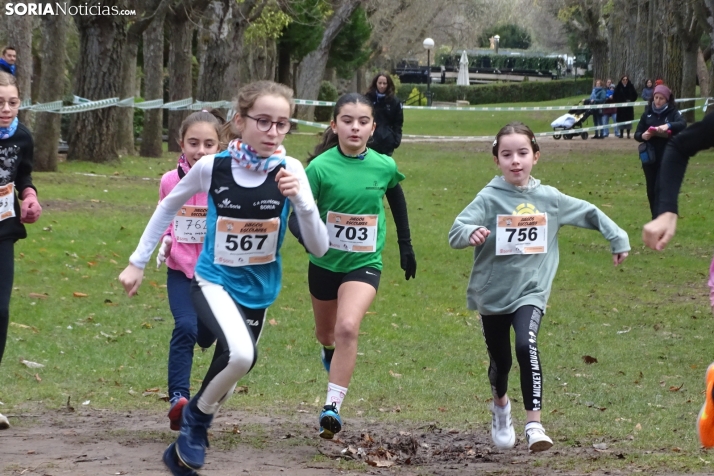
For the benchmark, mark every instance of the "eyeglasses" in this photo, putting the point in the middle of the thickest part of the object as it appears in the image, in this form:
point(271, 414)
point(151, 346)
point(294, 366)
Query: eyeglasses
point(12, 103)
point(264, 125)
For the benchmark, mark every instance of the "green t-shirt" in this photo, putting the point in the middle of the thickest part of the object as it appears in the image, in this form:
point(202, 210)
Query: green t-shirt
point(344, 186)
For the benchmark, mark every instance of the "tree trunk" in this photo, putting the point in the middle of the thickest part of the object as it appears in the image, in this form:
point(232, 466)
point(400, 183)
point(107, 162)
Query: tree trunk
point(127, 88)
point(19, 35)
point(313, 65)
point(703, 75)
point(214, 57)
point(689, 80)
point(101, 41)
point(598, 48)
point(180, 79)
point(673, 62)
point(51, 88)
point(151, 137)
point(285, 67)
point(636, 60)
point(233, 51)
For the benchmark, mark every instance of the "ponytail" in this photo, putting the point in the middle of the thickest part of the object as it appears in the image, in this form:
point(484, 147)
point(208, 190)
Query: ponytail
point(329, 140)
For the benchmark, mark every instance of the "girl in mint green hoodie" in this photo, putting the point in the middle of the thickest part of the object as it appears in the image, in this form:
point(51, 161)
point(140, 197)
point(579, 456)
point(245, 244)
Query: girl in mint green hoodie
point(513, 224)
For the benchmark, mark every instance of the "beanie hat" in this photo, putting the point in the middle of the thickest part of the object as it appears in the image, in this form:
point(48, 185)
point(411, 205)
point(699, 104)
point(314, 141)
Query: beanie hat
point(663, 90)
point(658, 82)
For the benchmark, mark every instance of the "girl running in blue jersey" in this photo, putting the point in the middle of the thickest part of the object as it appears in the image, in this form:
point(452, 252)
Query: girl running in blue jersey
point(349, 182)
point(513, 224)
point(238, 274)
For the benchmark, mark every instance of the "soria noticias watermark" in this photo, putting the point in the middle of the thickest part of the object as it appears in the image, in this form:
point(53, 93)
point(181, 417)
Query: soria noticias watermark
point(65, 8)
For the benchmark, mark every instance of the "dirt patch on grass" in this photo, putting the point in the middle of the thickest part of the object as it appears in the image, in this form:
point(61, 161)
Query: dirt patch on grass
point(98, 442)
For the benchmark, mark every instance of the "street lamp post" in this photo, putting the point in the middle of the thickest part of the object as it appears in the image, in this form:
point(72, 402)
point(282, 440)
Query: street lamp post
point(496, 39)
point(429, 45)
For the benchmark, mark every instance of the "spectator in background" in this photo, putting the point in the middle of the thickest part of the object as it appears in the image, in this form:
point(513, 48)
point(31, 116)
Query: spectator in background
point(625, 92)
point(659, 81)
point(610, 112)
point(7, 62)
point(648, 90)
point(388, 115)
point(598, 96)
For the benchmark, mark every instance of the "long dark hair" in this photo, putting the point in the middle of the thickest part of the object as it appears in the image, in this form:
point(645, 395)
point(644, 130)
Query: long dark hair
point(515, 128)
point(329, 138)
point(390, 84)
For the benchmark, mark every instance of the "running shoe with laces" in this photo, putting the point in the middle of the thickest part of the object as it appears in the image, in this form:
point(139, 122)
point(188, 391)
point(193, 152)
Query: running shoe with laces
point(330, 422)
point(173, 463)
point(705, 420)
point(4, 423)
point(536, 438)
point(326, 356)
point(193, 440)
point(502, 432)
point(175, 413)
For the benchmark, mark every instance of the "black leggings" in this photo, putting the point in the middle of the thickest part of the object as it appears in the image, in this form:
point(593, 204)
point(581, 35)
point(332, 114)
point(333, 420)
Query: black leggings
point(7, 264)
point(497, 333)
point(651, 171)
point(237, 330)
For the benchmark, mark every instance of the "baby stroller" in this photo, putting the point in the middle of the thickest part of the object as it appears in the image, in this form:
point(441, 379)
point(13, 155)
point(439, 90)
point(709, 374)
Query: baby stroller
point(574, 119)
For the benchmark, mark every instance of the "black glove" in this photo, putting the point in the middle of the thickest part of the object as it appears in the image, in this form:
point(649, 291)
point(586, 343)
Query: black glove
point(407, 259)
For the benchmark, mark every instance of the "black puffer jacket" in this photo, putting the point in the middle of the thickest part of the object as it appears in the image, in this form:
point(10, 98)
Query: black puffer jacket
point(649, 118)
point(16, 157)
point(389, 117)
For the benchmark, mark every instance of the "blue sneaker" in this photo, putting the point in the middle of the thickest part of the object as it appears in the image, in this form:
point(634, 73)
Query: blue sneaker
point(193, 439)
point(172, 461)
point(326, 355)
point(330, 422)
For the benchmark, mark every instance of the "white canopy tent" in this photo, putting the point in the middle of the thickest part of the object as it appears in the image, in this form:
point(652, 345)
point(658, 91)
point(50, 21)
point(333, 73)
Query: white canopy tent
point(463, 78)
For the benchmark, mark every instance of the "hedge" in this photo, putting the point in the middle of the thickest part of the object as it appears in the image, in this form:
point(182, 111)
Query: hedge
point(540, 63)
point(526, 91)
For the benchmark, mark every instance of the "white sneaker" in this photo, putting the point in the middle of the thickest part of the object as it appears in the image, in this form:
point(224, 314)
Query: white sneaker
point(536, 438)
point(4, 423)
point(502, 432)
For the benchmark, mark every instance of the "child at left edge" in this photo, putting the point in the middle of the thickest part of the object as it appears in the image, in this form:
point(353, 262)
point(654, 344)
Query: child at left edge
point(513, 225)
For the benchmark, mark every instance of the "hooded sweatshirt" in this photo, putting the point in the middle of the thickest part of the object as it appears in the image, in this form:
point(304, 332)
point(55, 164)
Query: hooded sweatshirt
point(500, 284)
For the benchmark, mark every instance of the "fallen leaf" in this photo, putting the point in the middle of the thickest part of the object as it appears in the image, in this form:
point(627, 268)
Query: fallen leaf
point(21, 326)
point(79, 294)
point(30, 364)
point(589, 360)
point(638, 427)
point(37, 377)
point(146, 325)
point(380, 463)
point(38, 295)
point(273, 322)
point(676, 389)
point(395, 375)
point(241, 389)
point(625, 330)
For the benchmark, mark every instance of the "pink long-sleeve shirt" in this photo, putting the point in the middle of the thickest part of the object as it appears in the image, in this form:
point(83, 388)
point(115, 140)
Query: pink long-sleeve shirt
point(183, 256)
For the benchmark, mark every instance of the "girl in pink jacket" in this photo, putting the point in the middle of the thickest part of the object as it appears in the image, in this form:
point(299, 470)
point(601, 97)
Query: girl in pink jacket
point(180, 247)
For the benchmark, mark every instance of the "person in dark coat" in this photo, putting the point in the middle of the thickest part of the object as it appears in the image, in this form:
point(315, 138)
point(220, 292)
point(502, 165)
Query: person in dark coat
point(388, 115)
point(625, 92)
point(658, 124)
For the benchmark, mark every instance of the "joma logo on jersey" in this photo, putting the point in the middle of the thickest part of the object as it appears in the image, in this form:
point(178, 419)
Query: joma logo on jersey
point(251, 322)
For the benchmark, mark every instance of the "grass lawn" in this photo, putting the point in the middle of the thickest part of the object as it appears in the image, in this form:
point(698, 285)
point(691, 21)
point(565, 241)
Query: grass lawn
point(421, 353)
